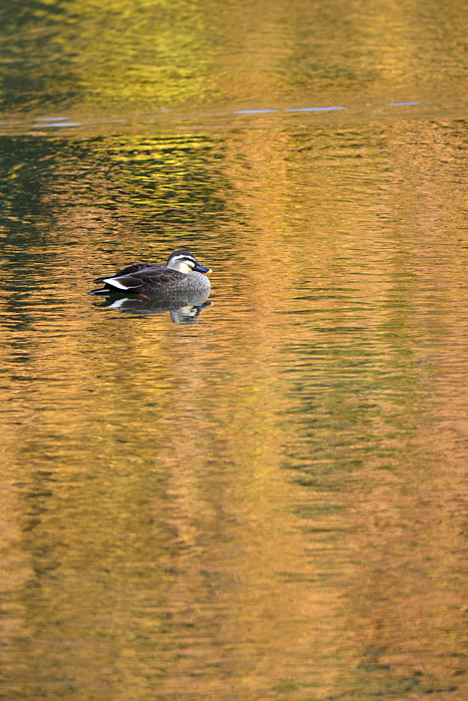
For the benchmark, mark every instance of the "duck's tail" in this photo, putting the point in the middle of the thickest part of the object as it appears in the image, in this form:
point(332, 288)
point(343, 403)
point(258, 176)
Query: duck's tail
point(102, 291)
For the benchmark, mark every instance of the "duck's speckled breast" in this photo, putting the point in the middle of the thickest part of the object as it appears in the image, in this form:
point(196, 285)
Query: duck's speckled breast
point(198, 281)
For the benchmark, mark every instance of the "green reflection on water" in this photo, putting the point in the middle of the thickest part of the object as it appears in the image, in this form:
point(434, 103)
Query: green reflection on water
point(143, 56)
point(116, 55)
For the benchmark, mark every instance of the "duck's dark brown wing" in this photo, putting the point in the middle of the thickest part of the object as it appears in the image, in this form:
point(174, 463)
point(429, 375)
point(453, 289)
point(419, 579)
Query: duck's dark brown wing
point(129, 270)
point(144, 278)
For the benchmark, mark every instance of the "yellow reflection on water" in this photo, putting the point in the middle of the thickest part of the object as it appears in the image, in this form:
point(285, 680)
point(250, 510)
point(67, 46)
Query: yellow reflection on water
point(140, 57)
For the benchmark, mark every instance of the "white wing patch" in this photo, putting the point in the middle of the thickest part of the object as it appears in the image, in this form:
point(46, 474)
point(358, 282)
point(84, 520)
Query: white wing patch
point(115, 283)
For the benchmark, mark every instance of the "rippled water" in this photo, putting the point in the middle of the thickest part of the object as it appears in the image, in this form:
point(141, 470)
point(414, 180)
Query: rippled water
point(262, 497)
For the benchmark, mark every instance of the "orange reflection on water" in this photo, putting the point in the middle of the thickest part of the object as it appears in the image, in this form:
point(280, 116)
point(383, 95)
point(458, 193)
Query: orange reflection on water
point(268, 502)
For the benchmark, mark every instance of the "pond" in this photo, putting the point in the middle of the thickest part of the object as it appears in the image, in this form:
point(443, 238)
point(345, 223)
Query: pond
point(263, 495)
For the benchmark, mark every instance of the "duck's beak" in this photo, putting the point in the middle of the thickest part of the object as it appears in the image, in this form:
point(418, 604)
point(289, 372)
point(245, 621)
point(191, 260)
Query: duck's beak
point(201, 268)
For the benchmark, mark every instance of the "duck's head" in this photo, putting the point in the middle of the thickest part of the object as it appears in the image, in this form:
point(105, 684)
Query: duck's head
point(185, 262)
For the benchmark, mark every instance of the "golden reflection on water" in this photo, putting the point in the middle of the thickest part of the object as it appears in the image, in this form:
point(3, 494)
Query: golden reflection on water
point(126, 58)
point(269, 503)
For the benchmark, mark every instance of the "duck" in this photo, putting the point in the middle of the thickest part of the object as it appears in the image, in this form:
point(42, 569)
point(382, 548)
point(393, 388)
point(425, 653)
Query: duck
point(182, 274)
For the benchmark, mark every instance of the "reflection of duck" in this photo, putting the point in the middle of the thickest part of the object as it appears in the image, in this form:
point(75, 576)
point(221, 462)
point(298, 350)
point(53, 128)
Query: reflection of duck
point(184, 309)
point(182, 274)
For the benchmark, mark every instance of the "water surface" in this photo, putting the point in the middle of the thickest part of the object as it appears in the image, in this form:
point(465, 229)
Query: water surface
point(263, 498)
